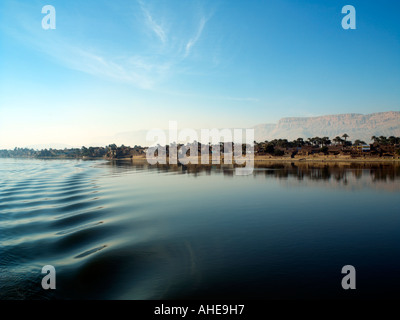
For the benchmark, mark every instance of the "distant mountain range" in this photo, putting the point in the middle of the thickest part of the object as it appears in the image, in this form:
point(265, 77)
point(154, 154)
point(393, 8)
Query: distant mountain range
point(357, 126)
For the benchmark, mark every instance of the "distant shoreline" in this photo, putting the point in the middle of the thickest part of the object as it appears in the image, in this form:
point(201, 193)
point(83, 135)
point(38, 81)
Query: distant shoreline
point(257, 159)
point(329, 159)
point(311, 159)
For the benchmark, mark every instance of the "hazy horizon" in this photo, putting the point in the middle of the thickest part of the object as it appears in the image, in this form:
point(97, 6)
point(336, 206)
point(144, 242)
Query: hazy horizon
point(132, 138)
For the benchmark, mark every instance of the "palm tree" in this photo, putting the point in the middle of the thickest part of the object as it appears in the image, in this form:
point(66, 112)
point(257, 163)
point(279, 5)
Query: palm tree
point(345, 136)
point(315, 141)
point(375, 139)
point(299, 142)
point(325, 141)
point(338, 140)
point(392, 140)
point(383, 140)
point(358, 142)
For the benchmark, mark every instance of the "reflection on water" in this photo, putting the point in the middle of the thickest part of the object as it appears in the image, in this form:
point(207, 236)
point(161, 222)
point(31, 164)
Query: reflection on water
point(345, 173)
point(123, 230)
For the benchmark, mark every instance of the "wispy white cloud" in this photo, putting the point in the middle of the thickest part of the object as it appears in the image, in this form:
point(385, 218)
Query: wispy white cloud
point(138, 69)
point(196, 38)
point(152, 24)
point(135, 70)
point(123, 70)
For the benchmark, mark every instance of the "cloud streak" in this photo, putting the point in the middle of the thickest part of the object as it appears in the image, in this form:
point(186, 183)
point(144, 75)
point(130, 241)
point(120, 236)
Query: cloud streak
point(152, 24)
point(136, 70)
point(139, 69)
point(196, 38)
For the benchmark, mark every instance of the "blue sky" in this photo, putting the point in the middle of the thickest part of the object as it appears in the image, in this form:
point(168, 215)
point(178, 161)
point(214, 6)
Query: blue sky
point(120, 66)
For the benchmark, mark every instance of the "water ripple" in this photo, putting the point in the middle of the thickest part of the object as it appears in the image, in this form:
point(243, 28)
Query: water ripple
point(50, 212)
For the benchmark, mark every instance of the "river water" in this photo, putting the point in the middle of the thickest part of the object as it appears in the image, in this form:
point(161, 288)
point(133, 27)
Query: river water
point(122, 230)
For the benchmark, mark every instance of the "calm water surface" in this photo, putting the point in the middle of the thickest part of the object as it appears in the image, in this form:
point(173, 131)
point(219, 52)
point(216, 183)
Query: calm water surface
point(130, 231)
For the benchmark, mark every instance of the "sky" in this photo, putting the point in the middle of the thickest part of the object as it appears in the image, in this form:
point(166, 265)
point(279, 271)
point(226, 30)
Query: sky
point(119, 66)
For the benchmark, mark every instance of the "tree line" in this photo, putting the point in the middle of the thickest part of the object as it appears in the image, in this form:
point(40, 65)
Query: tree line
point(324, 144)
point(110, 151)
point(274, 147)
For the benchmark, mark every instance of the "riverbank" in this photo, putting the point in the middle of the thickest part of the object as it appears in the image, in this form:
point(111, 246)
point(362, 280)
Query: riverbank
point(307, 159)
point(257, 159)
point(328, 159)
